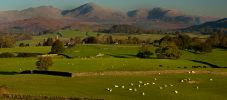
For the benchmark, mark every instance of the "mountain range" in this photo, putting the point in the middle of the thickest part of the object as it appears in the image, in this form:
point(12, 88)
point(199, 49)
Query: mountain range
point(48, 18)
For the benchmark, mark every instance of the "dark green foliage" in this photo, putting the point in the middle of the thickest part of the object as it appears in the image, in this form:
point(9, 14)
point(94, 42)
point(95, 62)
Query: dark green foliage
point(21, 45)
point(90, 40)
point(44, 62)
point(48, 42)
point(7, 55)
point(144, 51)
point(125, 29)
point(57, 47)
point(168, 50)
point(183, 41)
point(7, 41)
point(109, 40)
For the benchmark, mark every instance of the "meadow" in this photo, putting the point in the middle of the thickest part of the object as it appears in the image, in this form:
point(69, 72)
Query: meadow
point(116, 58)
point(200, 88)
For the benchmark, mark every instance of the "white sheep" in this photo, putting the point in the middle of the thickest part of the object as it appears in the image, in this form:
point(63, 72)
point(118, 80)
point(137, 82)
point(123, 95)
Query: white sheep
point(135, 90)
point(131, 84)
point(155, 79)
point(211, 79)
point(122, 86)
point(116, 86)
point(140, 82)
point(176, 91)
point(197, 87)
point(143, 93)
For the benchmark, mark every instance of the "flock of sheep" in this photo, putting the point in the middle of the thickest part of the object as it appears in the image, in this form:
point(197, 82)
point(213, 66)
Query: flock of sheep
point(135, 87)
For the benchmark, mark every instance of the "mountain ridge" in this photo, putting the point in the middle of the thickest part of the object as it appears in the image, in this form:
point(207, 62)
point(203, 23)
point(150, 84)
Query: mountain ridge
point(158, 18)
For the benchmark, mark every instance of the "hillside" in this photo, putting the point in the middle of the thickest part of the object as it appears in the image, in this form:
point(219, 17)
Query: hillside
point(92, 15)
point(209, 27)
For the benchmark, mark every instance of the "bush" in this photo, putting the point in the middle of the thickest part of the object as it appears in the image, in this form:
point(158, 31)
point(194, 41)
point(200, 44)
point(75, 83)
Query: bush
point(57, 47)
point(44, 62)
point(144, 51)
point(168, 50)
point(7, 55)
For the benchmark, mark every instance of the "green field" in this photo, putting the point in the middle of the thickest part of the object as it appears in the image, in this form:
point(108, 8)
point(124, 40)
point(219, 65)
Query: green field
point(115, 59)
point(95, 87)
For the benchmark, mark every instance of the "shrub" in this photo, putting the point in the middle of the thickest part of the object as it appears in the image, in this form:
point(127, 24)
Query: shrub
point(7, 55)
point(44, 62)
point(168, 50)
point(57, 47)
point(144, 51)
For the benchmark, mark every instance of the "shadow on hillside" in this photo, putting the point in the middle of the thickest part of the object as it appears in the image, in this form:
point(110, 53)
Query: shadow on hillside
point(211, 65)
point(8, 73)
point(117, 56)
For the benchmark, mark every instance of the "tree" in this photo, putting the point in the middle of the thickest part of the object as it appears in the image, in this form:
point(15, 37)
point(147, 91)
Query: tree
point(144, 51)
point(109, 39)
point(21, 45)
point(183, 41)
point(57, 47)
point(90, 39)
point(48, 42)
point(168, 50)
point(44, 62)
point(7, 41)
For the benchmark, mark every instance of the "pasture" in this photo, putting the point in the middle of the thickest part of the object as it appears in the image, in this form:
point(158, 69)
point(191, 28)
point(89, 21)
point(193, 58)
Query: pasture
point(199, 88)
point(101, 71)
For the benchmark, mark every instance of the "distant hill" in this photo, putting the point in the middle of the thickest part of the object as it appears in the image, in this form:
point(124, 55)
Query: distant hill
point(209, 27)
point(92, 16)
point(93, 12)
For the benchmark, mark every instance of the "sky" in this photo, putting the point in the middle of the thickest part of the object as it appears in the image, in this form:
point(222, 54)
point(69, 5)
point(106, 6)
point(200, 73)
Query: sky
point(215, 8)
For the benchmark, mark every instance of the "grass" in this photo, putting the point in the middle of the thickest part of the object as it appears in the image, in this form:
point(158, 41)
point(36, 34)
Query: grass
point(116, 58)
point(95, 86)
point(26, 49)
point(217, 57)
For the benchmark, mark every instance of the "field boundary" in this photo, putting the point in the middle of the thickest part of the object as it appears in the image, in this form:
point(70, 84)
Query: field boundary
point(30, 97)
point(131, 73)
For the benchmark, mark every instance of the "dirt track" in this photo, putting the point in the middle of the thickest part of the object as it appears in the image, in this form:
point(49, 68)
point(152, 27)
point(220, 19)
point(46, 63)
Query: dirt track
point(126, 73)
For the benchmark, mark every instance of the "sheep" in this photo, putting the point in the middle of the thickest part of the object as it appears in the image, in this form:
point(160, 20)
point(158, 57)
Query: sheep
point(155, 79)
point(153, 83)
point(108, 89)
point(139, 86)
point(143, 93)
point(197, 87)
point(131, 84)
point(165, 85)
point(130, 89)
point(211, 79)
point(171, 85)
point(182, 81)
point(116, 86)
point(140, 82)
point(122, 86)
point(176, 91)
point(135, 90)
point(160, 88)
